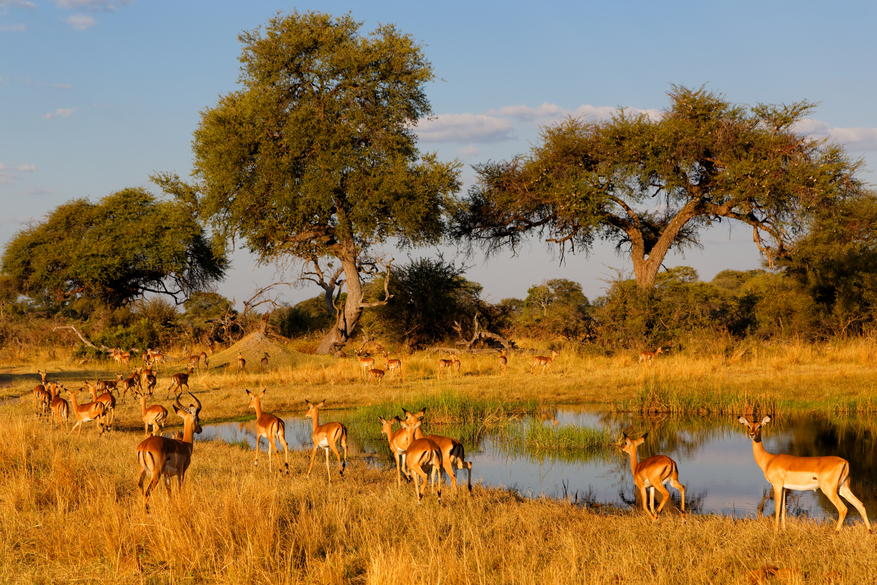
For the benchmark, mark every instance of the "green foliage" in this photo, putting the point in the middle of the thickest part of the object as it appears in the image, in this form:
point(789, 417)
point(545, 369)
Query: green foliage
point(428, 296)
point(152, 322)
point(650, 184)
point(303, 318)
point(555, 309)
point(113, 251)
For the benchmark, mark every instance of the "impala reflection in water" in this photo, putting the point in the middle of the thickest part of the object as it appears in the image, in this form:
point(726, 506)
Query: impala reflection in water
point(714, 457)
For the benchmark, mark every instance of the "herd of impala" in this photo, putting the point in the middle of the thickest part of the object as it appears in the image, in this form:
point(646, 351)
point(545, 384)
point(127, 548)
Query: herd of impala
point(418, 457)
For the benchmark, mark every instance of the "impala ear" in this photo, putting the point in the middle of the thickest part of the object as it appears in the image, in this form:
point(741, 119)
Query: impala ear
point(765, 420)
point(421, 413)
point(249, 393)
point(644, 436)
point(745, 422)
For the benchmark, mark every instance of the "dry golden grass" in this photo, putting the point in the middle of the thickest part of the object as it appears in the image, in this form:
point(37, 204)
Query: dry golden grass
point(71, 511)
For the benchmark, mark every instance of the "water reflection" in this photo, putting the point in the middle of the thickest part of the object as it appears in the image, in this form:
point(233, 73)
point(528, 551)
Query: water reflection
point(714, 457)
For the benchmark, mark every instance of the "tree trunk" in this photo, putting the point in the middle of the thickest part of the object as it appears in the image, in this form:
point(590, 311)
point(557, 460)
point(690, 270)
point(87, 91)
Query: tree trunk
point(346, 318)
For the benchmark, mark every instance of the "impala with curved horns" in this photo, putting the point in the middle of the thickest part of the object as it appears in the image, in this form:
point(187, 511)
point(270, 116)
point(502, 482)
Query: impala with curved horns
point(270, 427)
point(830, 474)
point(453, 453)
point(326, 436)
point(652, 474)
point(160, 456)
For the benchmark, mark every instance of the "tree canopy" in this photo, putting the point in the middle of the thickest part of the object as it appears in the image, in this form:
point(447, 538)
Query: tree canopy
point(314, 158)
point(114, 251)
point(651, 184)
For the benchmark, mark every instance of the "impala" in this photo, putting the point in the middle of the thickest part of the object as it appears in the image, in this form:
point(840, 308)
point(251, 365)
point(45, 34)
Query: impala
point(129, 383)
point(194, 360)
point(41, 399)
point(393, 365)
point(86, 413)
point(830, 474)
point(366, 363)
point(399, 442)
point(652, 474)
point(326, 436)
point(456, 364)
point(453, 453)
point(109, 402)
point(647, 356)
point(242, 363)
point(125, 358)
point(178, 381)
point(205, 361)
point(545, 362)
point(108, 385)
point(147, 380)
point(270, 427)
point(503, 361)
point(153, 358)
point(444, 365)
point(375, 374)
point(420, 453)
point(168, 457)
point(263, 363)
point(60, 407)
point(155, 415)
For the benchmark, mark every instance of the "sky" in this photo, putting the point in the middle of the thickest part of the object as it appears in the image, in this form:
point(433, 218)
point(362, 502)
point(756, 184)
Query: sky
point(96, 95)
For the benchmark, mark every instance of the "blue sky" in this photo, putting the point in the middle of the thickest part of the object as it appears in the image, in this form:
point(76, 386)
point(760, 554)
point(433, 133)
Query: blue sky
point(95, 95)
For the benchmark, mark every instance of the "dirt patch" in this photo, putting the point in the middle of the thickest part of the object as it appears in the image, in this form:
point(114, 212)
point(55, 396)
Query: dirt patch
point(253, 348)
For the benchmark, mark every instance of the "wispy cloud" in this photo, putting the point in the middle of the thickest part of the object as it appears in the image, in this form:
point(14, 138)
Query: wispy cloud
point(18, 4)
point(62, 85)
point(13, 28)
point(27, 168)
point(93, 5)
point(61, 113)
point(857, 139)
point(465, 128)
point(80, 22)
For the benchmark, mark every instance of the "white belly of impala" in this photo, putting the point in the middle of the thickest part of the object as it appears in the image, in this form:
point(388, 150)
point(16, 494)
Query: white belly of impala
point(324, 443)
point(803, 487)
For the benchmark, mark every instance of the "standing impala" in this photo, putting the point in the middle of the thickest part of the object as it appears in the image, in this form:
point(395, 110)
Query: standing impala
point(153, 358)
point(365, 363)
point(444, 365)
point(109, 402)
point(420, 453)
point(545, 362)
point(652, 474)
point(270, 427)
point(263, 363)
point(242, 363)
point(453, 453)
point(393, 365)
point(155, 415)
point(503, 361)
point(830, 474)
point(178, 381)
point(86, 413)
point(326, 436)
point(60, 407)
point(399, 442)
point(168, 457)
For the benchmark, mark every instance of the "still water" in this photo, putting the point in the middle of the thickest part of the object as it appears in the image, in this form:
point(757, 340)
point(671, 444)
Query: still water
point(714, 457)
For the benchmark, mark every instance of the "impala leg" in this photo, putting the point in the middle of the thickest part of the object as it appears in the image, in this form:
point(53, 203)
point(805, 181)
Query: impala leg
point(644, 496)
point(313, 456)
point(448, 465)
point(665, 497)
point(282, 440)
point(258, 443)
point(681, 488)
point(468, 466)
point(338, 455)
point(328, 470)
point(779, 505)
point(841, 508)
point(397, 455)
point(848, 494)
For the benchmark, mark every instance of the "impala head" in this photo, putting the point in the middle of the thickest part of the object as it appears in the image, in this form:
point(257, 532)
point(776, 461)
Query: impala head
point(255, 398)
point(629, 445)
point(312, 408)
point(409, 425)
point(192, 410)
point(413, 417)
point(387, 425)
point(754, 428)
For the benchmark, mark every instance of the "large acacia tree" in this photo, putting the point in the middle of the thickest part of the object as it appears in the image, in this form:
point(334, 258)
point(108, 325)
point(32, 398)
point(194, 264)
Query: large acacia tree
point(125, 245)
point(315, 159)
point(652, 184)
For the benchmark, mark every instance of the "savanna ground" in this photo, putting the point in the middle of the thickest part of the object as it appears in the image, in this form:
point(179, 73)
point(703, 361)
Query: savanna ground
point(71, 509)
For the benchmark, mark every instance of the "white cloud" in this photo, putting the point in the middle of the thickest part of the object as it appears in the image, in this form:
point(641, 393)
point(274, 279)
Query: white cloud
point(854, 139)
point(552, 113)
point(469, 151)
point(61, 113)
point(465, 128)
point(79, 22)
point(13, 28)
point(62, 85)
point(93, 5)
point(39, 191)
point(27, 168)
